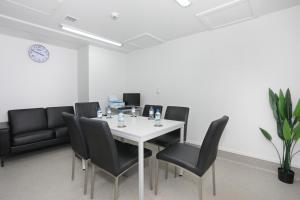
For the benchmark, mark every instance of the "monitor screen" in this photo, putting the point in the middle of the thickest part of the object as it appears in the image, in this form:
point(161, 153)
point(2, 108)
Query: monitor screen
point(131, 99)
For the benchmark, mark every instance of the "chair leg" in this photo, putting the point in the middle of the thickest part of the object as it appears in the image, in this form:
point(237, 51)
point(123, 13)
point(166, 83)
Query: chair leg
point(175, 171)
point(116, 189)
point(200, 188)
point(150, 173)
point(83, 164)
point(167, 171)
point(156, 176)
point(73, 165)
point(2, 161)
point(214, 179)
point(92, 181)
point(85, 177)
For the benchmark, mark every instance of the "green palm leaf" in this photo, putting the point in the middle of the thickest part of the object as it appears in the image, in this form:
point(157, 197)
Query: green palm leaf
point(281, 105)
point(266, 134)
point(287, 132)
point(297, 110)
point(297, 132)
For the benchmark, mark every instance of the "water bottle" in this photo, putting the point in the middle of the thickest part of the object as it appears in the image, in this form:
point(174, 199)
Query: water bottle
point(133, 111)
point(108, 112)
point(157, 118)
point(99, 113)
point(151, 113)
point(121, 120)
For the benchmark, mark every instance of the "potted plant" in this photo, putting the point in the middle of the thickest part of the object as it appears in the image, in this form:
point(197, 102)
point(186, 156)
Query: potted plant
point(288, 130)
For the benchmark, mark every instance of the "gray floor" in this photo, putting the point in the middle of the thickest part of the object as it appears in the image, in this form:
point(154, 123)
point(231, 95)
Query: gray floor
point(46, 175)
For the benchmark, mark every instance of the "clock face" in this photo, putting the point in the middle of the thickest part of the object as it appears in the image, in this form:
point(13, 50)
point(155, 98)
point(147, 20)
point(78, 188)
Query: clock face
point(38, 53)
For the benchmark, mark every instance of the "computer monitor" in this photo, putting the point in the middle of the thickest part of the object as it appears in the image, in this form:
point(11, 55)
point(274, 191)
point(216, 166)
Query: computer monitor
point(131, 99)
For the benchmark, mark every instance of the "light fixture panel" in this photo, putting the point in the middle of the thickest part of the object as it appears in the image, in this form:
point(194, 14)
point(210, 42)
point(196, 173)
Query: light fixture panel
point(184, 3)
point(89, 35)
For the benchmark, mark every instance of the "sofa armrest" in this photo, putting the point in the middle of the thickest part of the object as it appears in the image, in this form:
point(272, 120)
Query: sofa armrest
point(4, 139)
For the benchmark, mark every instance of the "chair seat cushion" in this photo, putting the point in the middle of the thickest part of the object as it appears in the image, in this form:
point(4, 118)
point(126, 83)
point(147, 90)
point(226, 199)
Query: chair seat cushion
point(183, 155)
point(128, 155)
point(32, 137)
point(167, 139)
point(61, 132)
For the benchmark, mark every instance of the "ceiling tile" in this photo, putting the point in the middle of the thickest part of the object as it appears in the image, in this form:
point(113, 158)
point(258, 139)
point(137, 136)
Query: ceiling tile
point(227, 14)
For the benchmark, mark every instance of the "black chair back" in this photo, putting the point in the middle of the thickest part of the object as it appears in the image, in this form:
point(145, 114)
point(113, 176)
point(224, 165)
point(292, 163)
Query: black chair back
point(87, 109)
point(102, 147)
point(155, 107)
point(209, 147)
point(78, 139)
point(179, 114)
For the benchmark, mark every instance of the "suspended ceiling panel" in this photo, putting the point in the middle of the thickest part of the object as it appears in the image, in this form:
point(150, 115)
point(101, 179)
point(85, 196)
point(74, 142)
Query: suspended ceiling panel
point(144, 40)
point(38, 6)
point(162, 18)
point(227, 14)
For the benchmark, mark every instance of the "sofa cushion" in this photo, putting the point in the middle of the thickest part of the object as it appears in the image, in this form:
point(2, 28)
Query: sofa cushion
point(61, 132)
point(54, 115)
point(25, 120)
point(32, 137)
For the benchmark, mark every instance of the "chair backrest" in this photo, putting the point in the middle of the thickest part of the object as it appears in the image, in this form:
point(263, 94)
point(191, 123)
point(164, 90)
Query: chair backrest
point(87, 109)
point(155, 107)
point(78, 139)
point(54, 115)
point(102, 147)
point(179, 114)
point(209, 147)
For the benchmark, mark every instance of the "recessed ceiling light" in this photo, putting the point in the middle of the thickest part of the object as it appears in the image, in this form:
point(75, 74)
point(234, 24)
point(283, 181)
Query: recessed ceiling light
point(89, 35)
point(184, 3)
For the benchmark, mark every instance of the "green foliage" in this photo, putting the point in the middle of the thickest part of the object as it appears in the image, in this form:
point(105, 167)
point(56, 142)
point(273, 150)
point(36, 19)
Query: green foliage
point(281, 105)
point(288, 125)
point(266, 134)
point(287, 132)
point(297, 110)
point(297, 132)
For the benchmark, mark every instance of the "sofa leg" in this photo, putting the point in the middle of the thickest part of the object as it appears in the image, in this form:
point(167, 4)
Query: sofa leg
point(2, 161)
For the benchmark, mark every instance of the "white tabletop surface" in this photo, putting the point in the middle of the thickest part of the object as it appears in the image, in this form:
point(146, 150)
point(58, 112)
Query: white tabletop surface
point(140, 128)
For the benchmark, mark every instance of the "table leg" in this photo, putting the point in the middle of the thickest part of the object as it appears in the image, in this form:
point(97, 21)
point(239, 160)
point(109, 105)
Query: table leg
point(181, 141)
point(141, 170)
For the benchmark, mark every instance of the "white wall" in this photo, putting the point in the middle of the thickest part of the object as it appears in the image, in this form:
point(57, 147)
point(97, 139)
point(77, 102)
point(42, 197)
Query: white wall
point(25, 84)
point(107, 74)
point(83, 74)
point(225, 71)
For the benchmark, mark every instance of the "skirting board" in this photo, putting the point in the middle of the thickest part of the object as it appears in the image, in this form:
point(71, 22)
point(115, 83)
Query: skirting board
point(256, 163)
point(267, 166)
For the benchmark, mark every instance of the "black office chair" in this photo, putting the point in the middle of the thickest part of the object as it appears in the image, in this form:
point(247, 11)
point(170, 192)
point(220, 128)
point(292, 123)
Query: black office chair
point(193, 159)
point(78, 143)
point(111, 156)
point(147, 108)
point(87, 109)
point(172, 113)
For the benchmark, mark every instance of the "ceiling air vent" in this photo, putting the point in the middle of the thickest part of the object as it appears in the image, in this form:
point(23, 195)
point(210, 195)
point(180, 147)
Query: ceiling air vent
point(144, 40)
point(227, 14)
point(70, 19)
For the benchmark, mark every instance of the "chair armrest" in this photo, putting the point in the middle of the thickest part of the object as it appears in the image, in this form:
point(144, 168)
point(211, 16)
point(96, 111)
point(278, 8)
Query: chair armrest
point(4, 139)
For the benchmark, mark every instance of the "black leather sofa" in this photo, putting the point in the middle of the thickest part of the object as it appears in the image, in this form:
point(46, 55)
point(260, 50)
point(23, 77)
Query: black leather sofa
point(30, 129)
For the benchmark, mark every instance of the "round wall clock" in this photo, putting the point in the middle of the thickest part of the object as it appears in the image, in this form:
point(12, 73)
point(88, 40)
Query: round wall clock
point(38, 53)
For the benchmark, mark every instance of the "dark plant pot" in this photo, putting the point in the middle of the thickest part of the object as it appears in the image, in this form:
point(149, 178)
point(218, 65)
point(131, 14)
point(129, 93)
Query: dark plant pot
point(286, 176)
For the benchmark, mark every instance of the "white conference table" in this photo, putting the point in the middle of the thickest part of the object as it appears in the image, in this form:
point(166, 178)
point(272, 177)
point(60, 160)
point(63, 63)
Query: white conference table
point(140, 130)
